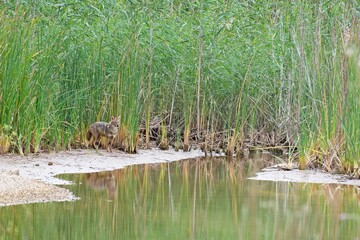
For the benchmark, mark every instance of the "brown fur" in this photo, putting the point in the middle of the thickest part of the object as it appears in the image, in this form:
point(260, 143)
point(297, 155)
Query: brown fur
point(103, 129)
point(102, 181)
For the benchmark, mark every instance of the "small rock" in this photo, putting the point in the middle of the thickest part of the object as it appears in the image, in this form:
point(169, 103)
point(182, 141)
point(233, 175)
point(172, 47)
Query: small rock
point(286, 166)
point(50, 163)
point(15, 172)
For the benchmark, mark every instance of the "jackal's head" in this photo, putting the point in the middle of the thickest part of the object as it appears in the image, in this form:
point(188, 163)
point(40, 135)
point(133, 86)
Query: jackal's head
point(115, 121)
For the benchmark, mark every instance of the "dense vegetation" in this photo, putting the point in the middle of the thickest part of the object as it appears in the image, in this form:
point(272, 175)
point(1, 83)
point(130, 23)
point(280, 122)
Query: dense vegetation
point(230, 74)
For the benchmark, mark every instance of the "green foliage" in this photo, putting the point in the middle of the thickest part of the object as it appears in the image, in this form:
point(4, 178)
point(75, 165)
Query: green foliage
point(249, 66)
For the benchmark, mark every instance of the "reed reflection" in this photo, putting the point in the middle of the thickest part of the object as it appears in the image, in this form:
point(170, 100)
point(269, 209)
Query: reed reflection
point(204, 198)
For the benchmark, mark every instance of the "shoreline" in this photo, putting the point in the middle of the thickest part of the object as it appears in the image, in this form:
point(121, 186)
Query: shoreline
point(276, 173)
point(33, 178)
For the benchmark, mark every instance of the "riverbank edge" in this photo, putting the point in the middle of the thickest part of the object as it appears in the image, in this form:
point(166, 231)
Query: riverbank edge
point(284, 173)
point(33, 178)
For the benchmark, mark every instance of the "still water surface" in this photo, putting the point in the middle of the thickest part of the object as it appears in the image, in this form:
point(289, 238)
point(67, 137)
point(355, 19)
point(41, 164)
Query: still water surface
point(191, 199)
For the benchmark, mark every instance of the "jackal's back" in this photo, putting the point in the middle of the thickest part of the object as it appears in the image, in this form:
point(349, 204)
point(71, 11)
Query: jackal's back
point(103, 129)
point(100, 128)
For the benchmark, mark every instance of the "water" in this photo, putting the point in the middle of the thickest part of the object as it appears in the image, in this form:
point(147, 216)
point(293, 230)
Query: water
point(192, 199)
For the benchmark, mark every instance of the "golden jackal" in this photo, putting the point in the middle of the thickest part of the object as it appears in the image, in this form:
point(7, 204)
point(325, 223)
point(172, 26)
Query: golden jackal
point(103, 129)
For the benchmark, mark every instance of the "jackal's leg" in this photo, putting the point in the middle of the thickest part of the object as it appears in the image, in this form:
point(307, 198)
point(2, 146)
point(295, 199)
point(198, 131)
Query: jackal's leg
point(109, 143)
point(96, 138)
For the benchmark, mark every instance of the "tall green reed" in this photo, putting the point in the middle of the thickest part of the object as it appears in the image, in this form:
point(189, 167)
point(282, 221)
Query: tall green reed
point(64, 66)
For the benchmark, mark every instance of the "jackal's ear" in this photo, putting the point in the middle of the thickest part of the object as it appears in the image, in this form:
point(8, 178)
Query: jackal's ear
point(112, 118)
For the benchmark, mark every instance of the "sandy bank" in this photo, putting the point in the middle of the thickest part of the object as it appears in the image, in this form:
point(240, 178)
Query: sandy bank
point(276, 173)
point(31, 178)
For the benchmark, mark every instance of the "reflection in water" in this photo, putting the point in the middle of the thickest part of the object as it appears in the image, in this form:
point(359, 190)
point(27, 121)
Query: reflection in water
point(102, 181)
point(192, 199)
